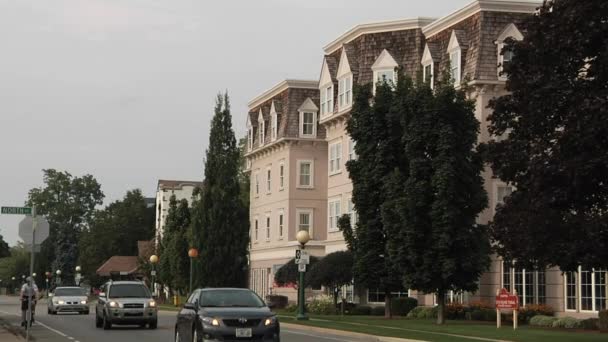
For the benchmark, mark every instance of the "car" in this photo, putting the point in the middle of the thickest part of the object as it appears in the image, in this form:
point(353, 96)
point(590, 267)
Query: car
point(125, 303)
point(226, 314)
point(68, 299)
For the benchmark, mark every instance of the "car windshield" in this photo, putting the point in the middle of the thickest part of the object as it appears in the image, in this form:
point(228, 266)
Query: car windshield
point(128, 291)
point(230, 298)
point(69, 292)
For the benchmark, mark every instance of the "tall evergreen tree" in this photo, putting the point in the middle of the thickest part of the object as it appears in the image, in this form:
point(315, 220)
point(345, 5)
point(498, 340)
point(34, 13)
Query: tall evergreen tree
point(5, 250)
point(222, 230)
point(554, 140)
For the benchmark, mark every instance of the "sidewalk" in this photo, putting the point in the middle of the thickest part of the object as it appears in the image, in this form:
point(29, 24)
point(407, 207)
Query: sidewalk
point(8, 332)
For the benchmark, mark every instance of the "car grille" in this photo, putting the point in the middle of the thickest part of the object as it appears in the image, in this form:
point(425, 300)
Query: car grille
point(133, 306)
point(235, 323)
point(231, 338)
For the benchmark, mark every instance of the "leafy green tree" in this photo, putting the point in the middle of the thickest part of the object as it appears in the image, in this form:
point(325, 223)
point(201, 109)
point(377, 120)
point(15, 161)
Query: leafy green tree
point(5, 250)
point(554, 134)
point(376, 147)
point(222, 228)
point(288, 274)
point(244, 179)
point(15, 265)
point(175, 265)
point(333, 271)
point(68, 203)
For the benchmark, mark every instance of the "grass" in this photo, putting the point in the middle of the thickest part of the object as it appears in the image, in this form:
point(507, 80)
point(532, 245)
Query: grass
point(427, 329)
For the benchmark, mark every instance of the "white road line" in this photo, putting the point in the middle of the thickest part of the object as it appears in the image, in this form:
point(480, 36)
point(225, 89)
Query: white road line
point(317, 336)
point(41, 324)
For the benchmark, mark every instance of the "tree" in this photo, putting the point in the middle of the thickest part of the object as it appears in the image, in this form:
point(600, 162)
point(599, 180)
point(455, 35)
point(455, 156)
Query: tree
point(376, 147)
point(244, 179)
point(174, 262)
point(5, 250)
point(333, 271)
point(288, 274)
point(436, 196)
point(222, 228)
point(553, 136)
point(68, 203)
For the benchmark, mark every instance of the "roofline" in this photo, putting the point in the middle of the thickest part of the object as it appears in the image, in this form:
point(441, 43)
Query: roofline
point(376, 27)
point(180, 184)
point(513, 6)
point(280, 87)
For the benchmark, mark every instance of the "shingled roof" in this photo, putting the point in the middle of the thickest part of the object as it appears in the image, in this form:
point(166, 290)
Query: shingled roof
point(176, 184)
point(121, 264)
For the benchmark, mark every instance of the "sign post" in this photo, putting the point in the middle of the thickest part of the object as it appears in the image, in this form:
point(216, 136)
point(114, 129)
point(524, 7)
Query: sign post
point(506, 300)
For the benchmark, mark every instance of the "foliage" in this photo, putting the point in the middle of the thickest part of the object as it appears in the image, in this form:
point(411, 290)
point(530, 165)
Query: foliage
point(531, 310)
point(322, 305)
point(244, 179)
point(483, 315)
point(567, 323)
point(15, 265)
point(288, 274)
point(221, 223)
point(277, 301)
point(542, 321)
point(590, 324)
point(175, 263)
point(291, 308)
point(480, 305)
point(5, 250)
point(554, 154)
point(423, 312)
point(362, 310)
point(68, 203)
point(603, 317)
point(333, 271)
point(455, 311)
point(402, 306)
point(378, 310)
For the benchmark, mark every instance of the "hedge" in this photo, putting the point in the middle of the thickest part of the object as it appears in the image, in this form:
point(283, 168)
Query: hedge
point(402, 306)
point(542, 321)
point(603, 320)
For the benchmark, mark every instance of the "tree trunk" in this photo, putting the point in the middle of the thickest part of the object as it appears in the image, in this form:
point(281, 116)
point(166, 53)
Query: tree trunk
point(335, 289)
point(387, 305)
point(441, 307)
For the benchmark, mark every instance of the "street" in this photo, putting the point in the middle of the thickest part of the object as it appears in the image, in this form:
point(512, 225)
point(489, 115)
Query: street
point(75, 328)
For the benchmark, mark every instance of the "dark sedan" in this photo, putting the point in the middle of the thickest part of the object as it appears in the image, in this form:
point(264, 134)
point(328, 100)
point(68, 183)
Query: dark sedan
point(226, 314)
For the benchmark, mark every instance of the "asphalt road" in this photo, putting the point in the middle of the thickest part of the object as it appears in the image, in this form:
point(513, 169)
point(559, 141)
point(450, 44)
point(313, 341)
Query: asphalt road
point(81, 328)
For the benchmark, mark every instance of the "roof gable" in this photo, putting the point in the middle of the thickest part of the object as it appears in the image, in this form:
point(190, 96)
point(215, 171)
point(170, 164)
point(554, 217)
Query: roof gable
point(308, 106)
point(261, 115)
point(457, 40)
point(510, 31)
point(325, 74)
point(344, 66)
point(385, 60)
point(273, 110)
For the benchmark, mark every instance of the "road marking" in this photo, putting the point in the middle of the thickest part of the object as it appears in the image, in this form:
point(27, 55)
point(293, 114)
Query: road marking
point(42, 325)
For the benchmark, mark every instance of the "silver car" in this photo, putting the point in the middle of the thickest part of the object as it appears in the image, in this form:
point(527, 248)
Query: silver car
point(68, 299)
point(125, 303)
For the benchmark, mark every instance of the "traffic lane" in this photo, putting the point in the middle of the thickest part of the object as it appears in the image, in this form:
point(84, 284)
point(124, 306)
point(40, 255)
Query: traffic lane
point(293, 334)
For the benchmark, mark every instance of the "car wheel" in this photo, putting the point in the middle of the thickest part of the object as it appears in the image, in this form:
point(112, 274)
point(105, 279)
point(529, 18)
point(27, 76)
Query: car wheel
point(48, 311)
point(98, 321)
point(153, 324)
point(107, 325)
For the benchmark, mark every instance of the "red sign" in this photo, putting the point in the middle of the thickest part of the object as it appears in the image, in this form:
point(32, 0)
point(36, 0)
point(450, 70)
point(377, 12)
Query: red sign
point(506, 300)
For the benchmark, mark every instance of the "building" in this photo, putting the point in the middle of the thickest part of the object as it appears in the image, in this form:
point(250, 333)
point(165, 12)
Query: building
point(164, 191)
point(468, 44)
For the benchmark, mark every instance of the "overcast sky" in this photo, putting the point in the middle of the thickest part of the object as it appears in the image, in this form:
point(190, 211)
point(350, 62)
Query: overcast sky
point(124, 89)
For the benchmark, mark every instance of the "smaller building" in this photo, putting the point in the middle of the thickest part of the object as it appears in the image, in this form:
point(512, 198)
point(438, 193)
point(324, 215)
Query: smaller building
point(164, 191)
point(124, 266)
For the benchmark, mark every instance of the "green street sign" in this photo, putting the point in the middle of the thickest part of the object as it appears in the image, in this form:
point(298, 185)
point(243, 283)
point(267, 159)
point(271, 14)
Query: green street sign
point(16, 210)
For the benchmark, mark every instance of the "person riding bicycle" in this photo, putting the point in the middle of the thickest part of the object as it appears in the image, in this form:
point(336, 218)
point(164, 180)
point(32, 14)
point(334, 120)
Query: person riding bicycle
point(29, 291)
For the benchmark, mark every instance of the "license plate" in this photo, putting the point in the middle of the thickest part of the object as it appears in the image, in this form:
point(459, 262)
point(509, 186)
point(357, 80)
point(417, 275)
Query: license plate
point(243, 333)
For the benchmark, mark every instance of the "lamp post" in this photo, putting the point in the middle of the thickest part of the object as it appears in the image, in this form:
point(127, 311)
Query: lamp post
point(303, 237)
point(58, 279)
point(13, 284)
point(153, 261)
point(192, 253)
point(48, 276)
point(78, 275)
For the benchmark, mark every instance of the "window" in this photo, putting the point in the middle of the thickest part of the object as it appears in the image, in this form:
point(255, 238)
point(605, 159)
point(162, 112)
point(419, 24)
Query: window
point(307, 120)
point(256, 230)
point(249, 138)
point(335, 158)
point(352, 155)
point(352, 212)
point(502, 192)
point(281, 176)
point(268, 180)
point(377, 295)
point(384, 69)
point(334, 214)
point(455, 66)
point(327, 100)
point(585, 290)
point(305, 220)
point(261, 132)
point(344, 92)
point(267, 227)
point(273, 126)
point(281, 223)
point(386, 76)
point(570, 280)
point(530, 285)
point(305, 174)
point(427, 74)
point(505, 55)
point(257, 184)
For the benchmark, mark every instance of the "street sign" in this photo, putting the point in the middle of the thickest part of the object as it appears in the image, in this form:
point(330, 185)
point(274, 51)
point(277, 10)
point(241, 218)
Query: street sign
point(153, 273)
point(298, 253)
point(26, 228)
point(301, 267)
point(16, 210)
point(302, 257)
point(506, 300)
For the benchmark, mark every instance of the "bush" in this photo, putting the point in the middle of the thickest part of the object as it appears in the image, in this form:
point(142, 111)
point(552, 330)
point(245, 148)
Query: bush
point(486, 315)
point(590, 324)
point(378, 311)
point(291, 308)
point(542, 321)
point(348, 308)
point(279, 302)
point(480, 305)
point(362, 310)
point(455, 311)
point(603, 320)
point(402, 306)
point(322, 305)
point(423, 312)
point(567, 323)
point(532, 310)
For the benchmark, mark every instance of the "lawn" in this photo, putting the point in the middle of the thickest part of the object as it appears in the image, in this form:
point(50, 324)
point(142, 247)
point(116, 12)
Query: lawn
point(427, 330)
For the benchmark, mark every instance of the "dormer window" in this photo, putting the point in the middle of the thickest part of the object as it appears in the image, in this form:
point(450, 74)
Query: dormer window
point(308, 123)
point(308, 119)
point(327, 100)
point(455, 53)
point(273, 123)
point(345, 82)
point(384, 69)
point(428, 65)
point(249, 138)
point(505, 55)
point(261, 129)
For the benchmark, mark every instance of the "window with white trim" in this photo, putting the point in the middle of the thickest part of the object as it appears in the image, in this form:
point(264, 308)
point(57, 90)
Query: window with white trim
point(305, 220)
point(352, 155)
point(384, 70)
point(334, 210)
point(502, 192)
point(505, 55)
point(378, 295)
point(385, 76)
point(305, 174)
point(455, 65)
point(281, 223)
point(257, 183)
point(327, 100)
point(268, 227)
point(261, 132)
point(273, 126)
point(268, 180)
point(345, 92)
point(427, 73)
point(256, 230)
point(530, 285)
point(281, 176)
point(308, 124)
point(585, 290)
point(250, 138)
point(335, 158)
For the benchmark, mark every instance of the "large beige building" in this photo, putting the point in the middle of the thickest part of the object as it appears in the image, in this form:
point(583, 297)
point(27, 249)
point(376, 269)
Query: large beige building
point(466, 43)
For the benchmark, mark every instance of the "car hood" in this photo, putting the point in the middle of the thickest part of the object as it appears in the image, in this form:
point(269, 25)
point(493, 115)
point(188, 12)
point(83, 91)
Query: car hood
point(236, 312)
point(69, 298)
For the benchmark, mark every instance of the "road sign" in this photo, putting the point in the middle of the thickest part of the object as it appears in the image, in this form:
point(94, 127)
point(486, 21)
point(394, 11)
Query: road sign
point(153, 273)
point(16, 210)
point(26, 227)
point(298, 253)
point(301, 267)
point(302, 257)
point(506, 300)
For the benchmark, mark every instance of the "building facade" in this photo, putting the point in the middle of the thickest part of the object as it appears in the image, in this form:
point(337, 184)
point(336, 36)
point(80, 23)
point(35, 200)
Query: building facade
point(164, 190)
point(467, 44)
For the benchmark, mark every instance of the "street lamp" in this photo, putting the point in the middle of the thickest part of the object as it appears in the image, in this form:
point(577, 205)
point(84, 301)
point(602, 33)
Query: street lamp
point(192, 253)
point(58, 280)
point(303, 237)
point(153, 261)
point(48, 276)
point(78, 276)
point(13, 283)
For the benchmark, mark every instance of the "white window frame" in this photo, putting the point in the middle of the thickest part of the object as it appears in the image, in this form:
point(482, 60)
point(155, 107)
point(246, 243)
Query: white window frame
point(524, 284)
point(334, 211)
point(455, 67)
point(312, 173)
point(384, 63)
point(314, 124)
point(335, 157)
point(310, 212)
point(327, 102)
point(579, 303)
point(268, 220)
point(377, 73)
point(281, 175)
point(261, 133)
point(249, 138)
point(511, 31)
point(281, 224)
point(273, 126)
point(256, 229)
point(432, 76)
point(268, 180)
point(345, 92)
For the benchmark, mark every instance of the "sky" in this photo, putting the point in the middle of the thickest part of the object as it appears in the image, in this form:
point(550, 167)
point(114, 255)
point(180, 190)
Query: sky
point(124, 89)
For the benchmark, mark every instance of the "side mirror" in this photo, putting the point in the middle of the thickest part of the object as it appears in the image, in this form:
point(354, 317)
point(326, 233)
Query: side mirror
point(102, 294)
point(191, 306)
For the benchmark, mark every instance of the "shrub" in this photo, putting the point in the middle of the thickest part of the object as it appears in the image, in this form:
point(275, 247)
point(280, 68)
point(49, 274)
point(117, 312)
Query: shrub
point(322, 305)
point(590, 324)
point(291, 308)
point(455, 311)
point(532, 310)
point(348, 308)
point(480, 305)
point(423, 312)
point(603, 317)
point(542, 321)
point(402, 306)
point(362, 310)
point(568, 323)
point(279, 302)
point(378, 311)
point(487, 315)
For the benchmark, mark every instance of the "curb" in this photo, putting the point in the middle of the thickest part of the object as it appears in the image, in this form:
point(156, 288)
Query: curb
point(347, 333)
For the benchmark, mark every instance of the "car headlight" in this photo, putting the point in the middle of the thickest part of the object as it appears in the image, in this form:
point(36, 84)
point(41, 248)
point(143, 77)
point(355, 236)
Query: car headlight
point(270, 321)
point(211, 321)
point(152, 304)
point(113, 304)
point(60, 302)
point(83, 302)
